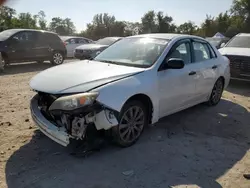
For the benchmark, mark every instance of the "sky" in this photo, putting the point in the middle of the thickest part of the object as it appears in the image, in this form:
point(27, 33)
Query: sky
point(81, 12)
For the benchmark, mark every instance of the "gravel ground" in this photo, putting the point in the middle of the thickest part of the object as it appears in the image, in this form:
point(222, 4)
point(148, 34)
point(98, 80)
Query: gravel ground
point(199, 147)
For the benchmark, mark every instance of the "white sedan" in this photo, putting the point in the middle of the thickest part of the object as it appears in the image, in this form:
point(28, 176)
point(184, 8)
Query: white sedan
point(133, 83)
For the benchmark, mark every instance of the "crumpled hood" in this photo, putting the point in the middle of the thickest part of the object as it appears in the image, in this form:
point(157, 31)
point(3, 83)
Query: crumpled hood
point(79, 76)
point(90, 46)
point(235, 51)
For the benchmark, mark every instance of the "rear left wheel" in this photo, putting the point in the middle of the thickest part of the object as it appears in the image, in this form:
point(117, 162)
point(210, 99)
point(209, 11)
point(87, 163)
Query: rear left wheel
point(216, 93)
point(132, 120)
point(57, 58)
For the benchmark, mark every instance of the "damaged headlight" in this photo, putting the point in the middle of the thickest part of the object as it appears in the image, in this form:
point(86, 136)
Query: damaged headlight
point(73, 102)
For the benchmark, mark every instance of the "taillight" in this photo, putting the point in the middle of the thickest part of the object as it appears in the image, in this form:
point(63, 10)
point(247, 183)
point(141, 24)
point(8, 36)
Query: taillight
point(65, 44)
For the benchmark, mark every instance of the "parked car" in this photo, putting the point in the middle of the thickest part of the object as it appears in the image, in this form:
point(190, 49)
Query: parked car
point(20, 45)
point(71, 42)
point(238, 52)
point(88, 51)
point(217, 42)
point(133, 83)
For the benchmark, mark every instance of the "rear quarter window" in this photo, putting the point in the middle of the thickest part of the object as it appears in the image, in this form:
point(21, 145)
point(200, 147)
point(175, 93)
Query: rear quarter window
point(52, 37)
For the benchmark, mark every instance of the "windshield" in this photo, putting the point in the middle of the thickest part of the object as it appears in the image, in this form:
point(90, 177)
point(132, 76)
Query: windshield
point(138, 52)
point(106, 41)
point(239, 42)
point(6, 34)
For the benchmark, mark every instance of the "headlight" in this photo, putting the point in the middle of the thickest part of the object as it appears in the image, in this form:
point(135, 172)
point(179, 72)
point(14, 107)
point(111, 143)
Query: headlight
point(73, 102)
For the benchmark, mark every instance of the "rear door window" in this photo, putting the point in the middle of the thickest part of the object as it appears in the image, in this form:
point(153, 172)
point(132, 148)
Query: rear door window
point(201, 52)
point(25, 36)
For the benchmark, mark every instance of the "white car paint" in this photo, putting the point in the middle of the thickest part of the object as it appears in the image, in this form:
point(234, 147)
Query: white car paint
point(238, 51)
point(84, 75)
point(169, 90)
point(235, 51)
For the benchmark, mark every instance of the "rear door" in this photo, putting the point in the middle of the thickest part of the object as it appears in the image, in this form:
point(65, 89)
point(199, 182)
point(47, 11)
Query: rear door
point(205, 67)
point(41, 46)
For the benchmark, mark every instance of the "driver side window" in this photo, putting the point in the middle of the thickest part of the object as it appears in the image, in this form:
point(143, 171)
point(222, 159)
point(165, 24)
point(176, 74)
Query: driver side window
point(181, 51)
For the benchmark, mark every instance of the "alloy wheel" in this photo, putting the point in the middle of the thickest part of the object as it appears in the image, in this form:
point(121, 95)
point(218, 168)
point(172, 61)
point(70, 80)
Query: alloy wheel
point(58, 58)
point(217, 91)
point(131, 124)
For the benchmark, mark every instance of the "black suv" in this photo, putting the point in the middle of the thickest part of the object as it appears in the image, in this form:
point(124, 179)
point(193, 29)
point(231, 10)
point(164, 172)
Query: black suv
point(22, 45)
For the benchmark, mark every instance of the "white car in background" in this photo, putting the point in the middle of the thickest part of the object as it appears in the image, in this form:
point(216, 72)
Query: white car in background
point(132, 83)
point(237, 50)
point(71, 42)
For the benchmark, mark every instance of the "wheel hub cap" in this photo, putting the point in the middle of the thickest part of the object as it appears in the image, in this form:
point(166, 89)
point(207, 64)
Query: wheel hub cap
point(131, 124)
point(58, 58)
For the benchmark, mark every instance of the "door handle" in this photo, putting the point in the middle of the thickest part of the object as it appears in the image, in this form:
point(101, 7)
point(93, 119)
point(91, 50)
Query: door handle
point(214, 67)
point(192, 73)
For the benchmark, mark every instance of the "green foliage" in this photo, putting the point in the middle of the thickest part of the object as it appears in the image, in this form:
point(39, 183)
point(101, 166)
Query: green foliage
point(229, 23)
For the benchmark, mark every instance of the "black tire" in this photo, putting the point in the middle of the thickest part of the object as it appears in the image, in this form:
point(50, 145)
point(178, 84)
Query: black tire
point(216, 93)
point(6, 62)
point(40, 61)
point(57, 58)
point(135, 126)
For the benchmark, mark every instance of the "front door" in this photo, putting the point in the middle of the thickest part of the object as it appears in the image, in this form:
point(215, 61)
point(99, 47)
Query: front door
point(21, 46)
point(176, 86)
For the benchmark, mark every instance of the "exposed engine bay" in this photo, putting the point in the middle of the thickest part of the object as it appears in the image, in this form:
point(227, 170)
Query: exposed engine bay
point(76, 121)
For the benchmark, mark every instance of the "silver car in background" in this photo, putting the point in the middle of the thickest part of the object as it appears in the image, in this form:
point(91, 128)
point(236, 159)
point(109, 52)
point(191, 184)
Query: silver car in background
point(88, 51)
point(71, 42)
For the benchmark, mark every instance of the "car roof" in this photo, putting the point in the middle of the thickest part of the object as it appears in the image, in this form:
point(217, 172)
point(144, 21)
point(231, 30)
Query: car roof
point(43, 31)
point(244, 34)
point(167, 36)
point(69, 37)
point(116, 38)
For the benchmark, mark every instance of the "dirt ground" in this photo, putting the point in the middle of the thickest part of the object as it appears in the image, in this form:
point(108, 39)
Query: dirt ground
point(199, 147)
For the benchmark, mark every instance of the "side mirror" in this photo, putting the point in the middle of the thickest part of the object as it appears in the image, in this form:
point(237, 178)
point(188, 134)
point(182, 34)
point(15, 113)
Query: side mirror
point(222, 45)
point(174, 63)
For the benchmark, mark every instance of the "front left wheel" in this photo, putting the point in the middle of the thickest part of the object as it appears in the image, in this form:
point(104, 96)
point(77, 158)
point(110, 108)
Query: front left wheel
point(132, 120)
point(57, 58)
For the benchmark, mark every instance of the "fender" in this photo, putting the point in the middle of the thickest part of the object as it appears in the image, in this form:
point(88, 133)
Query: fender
point(114, 95)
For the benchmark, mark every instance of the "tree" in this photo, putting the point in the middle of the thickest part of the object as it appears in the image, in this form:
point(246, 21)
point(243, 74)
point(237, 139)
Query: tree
point(132, 28)
point(164, 23)
point(26, 20)
point(104, 25)
point(222, 22)
point(187, 28)
point(148, 22)
point(6, 16)
point(241, 9)
point(42, 21)
point(62, 26)
point(208, 27)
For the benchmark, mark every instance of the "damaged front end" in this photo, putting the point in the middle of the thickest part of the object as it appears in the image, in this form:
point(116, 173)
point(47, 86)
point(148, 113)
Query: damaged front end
point(62, 118)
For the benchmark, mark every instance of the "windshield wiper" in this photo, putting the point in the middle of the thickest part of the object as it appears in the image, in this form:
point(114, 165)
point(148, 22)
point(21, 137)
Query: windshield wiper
point(108, 61)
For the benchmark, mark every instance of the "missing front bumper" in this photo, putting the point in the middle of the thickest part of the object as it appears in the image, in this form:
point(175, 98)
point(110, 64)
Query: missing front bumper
point(104, 119)
point(58, 134)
